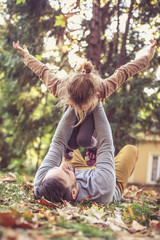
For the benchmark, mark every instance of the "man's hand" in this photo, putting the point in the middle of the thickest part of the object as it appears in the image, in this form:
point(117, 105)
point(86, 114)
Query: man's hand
point(151, 50)
point(23, 50)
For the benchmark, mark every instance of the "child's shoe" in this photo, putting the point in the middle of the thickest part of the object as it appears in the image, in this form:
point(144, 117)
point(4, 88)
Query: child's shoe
point(90, 157)
point(68, 154)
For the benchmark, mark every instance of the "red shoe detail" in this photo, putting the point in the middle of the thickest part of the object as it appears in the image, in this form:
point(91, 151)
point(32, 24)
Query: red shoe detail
point(69, 155)
point(91, 156)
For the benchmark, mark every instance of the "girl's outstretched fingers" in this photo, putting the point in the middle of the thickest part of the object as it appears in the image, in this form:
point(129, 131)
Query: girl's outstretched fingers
point(23, 50)
point(153, 42)
point(16, 45)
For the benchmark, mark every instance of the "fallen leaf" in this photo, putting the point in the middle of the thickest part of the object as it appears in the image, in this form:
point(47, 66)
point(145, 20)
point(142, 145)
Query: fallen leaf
point(113, 226)
point(135, 227)
point(68, 15)
point(7, 220)
point(140, 192)
point(28, 215)
point(116, 221)
point(130, 211)
point(133, 188)
point(154, 209)
point(46, 203)
point(10, 178)
point(155, 224)
point(128, 194)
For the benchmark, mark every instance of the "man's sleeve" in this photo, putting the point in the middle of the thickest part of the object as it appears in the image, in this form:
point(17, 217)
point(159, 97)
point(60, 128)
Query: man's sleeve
point(48, 77)
point(103, 179)
point(109, 85)
point(57, 147)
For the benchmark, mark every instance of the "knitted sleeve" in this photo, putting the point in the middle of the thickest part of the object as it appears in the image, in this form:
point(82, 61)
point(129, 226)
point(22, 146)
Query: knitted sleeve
point(110, 84)
point(50, 80)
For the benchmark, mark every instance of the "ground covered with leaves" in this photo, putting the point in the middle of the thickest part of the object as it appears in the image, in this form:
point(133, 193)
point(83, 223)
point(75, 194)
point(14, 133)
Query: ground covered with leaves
point(137, 216)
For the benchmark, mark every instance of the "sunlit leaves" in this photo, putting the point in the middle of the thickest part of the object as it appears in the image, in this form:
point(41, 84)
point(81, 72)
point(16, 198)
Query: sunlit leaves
point(20, 1)
point(39, 57)
point(104, 2)
point(60, 21)
point(154, 2)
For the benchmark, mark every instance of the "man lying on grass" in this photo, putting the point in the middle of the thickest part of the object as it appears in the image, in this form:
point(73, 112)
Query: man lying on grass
point(56, 180)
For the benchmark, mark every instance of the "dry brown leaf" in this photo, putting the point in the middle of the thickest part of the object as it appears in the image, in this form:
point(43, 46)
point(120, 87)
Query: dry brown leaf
point(117, 221)
point(10, 178)
point(46, 203)
point(68, 15)
point(140, 192)
point(133, 188)
point(154, 209)
point(155, 224)
point(7, 220)
point(128, 194)
point(113, 226)
point(135, 227)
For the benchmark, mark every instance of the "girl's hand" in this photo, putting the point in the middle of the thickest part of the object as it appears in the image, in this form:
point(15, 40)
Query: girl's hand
point(151, 50)
point(23, 50)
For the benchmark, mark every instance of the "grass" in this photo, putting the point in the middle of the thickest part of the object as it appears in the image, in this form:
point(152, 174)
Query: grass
point(85, 220)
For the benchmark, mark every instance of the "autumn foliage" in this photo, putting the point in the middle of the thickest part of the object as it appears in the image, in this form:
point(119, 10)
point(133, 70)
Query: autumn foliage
point(21, 216)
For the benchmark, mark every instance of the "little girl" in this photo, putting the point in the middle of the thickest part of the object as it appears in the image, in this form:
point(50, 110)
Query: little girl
point(83, 89)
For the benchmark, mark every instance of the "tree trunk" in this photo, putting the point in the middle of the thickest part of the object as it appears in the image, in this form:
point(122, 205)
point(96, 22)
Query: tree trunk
point(121, 59)
point(95, 36)
point(116, 36)
point(4, 162)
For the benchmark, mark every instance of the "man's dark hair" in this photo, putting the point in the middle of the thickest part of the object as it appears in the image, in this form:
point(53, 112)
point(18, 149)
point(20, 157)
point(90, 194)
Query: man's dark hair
point(52, 189)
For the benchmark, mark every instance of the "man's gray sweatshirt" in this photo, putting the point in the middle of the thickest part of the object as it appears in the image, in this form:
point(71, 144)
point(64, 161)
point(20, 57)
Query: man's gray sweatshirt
point(100, 183)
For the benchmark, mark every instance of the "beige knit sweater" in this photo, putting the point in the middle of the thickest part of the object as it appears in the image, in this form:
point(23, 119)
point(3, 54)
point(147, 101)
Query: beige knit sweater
point(109, 85)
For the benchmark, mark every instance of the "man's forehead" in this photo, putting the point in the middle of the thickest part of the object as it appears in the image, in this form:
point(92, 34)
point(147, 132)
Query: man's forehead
point(57, 172)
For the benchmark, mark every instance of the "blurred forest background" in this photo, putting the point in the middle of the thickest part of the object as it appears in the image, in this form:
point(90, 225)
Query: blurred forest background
point(57, 32)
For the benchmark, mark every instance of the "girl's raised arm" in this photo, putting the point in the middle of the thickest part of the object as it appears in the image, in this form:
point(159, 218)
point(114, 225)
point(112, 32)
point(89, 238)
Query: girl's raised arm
point(110, 84)
point(23, 50)
point(50, 80)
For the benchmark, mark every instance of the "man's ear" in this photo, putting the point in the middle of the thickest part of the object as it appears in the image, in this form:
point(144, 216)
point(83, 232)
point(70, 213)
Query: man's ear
point(74, 193)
